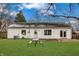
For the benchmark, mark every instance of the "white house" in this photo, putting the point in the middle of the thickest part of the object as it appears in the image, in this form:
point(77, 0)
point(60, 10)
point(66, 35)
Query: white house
point(42, 30)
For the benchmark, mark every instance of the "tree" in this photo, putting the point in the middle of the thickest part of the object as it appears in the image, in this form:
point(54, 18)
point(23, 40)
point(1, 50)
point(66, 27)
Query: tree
point(5, 19)
point(70, 5)
point(19, 17)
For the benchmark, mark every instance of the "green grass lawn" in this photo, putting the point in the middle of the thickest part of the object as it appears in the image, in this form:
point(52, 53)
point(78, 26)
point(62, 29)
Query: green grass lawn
point(19, 48)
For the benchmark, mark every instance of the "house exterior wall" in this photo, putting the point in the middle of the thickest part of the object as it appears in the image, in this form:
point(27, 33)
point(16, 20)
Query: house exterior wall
point(11, 32)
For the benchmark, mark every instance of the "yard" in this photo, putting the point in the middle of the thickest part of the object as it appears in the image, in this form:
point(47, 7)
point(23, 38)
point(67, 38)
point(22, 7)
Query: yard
point(51, 48)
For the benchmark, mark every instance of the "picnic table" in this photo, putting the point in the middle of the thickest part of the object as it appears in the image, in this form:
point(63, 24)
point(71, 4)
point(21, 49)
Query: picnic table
point(35, 42)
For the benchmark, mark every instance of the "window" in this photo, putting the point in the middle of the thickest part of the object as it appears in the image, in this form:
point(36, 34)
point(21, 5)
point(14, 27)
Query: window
point(47, 32)
point(35, 32)
point(23, 32)
point(62, 33)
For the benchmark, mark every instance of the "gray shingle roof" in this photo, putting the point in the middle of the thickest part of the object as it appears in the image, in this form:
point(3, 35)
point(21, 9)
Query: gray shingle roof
point(32, 25)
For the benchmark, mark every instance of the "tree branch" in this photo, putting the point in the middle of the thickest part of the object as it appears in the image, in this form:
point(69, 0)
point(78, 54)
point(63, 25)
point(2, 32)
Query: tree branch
point(64, 16)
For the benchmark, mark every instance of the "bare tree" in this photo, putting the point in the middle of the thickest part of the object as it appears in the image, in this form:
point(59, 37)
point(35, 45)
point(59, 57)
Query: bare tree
point(5, 19)
point(68, 16)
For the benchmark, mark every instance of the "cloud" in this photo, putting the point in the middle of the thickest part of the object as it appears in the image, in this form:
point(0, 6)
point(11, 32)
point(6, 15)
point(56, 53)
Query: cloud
point(33, 5)
point(2, 5)
point(42, 8)
point(1, 9)
point(30, 6)
point(38, 6)
point(14, 13)
point(6, 11)
point(73, 22)
point(20, 7)
point(50, 12)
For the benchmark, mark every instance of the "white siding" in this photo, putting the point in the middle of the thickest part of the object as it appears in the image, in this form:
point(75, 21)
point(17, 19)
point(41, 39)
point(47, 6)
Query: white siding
point(55, 33)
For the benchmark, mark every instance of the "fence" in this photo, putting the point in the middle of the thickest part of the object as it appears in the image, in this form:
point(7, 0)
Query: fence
point(75, 36)
point(3, 35)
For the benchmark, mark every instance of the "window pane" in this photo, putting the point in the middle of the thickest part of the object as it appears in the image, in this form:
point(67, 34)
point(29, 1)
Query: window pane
point(61, 33)
point(47, 32)
point(35, 32)
point(23, 32)
point(64, 33)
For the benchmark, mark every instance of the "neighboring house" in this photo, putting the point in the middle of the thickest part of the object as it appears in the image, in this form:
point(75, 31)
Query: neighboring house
point(43, 31)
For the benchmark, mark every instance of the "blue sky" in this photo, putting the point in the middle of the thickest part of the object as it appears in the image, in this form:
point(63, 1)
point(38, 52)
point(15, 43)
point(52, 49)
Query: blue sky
point(61, 8)
point(30, 10)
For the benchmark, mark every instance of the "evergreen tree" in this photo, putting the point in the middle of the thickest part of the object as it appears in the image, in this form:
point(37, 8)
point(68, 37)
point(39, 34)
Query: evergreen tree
point(20, 17)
